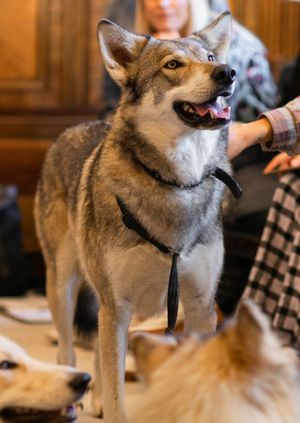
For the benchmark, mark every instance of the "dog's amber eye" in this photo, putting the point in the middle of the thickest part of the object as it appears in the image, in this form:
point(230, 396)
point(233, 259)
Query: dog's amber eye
point(173, 64)
point(211, 58)
point(7, 365)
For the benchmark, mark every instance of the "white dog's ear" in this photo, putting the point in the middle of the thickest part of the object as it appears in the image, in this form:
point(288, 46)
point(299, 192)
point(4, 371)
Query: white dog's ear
point(217, 35)
point(119, 49)
point(251, 323)
point(150, 351)
point(254, 336)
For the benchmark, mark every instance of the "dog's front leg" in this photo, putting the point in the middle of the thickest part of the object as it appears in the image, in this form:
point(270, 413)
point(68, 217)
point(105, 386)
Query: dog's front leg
point(201, 274)
point(97, 391)
point(200, 316)
point(113, 333)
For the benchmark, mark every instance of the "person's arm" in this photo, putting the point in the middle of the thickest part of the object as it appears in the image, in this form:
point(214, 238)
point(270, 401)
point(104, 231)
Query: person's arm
point(276, 130)
point(244, 135)
point(285, 122)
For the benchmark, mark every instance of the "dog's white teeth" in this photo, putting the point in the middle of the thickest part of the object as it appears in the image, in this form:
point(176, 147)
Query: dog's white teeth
point(212, 114)
point(187, 108)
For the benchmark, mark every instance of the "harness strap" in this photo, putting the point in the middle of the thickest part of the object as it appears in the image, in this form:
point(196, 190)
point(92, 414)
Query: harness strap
point(157, 176)
point(227, 179)
point(173, 288)
point(132, 223)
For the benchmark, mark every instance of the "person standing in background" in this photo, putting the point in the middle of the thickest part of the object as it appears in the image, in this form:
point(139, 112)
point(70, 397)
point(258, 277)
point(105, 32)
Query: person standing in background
point(274, 279)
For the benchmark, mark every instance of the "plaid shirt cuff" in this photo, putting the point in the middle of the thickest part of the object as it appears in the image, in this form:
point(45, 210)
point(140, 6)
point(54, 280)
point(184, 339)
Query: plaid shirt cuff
point(285, 122)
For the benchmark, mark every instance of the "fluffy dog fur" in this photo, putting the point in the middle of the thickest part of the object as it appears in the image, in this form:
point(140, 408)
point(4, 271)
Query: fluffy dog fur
point(33, 391)
point(242, 374)
point(79, 223)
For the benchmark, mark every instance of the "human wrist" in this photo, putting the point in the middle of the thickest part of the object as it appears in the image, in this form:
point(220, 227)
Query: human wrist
point(257, 132)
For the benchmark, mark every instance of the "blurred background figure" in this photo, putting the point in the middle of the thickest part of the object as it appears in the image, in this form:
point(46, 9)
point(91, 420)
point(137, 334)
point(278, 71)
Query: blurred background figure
point(274, 280)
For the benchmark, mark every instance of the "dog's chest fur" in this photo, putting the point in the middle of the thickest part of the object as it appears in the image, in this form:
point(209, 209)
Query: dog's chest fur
point(146, 271)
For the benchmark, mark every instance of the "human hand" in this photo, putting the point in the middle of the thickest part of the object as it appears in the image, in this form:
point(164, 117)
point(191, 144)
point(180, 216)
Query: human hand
point(282, 162)
point(166, 35)
point(243, 135)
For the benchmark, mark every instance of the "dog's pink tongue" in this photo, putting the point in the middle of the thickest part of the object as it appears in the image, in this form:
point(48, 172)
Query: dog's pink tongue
point(215, 110)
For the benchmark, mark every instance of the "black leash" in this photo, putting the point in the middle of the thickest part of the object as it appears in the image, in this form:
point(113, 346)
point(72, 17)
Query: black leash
point(173, 296)
point(132, 223)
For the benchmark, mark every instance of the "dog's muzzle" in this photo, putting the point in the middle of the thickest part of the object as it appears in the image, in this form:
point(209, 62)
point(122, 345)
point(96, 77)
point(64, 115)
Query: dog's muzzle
point(215, 112)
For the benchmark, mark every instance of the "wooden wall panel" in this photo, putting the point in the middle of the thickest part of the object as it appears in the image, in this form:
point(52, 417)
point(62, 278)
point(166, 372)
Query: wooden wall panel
point(51, 58)
point(20, 164)
point(50, 77)
point(97, 10)
point(276, 22)
point(40, 90)
point(62, 86)
point(18, 39)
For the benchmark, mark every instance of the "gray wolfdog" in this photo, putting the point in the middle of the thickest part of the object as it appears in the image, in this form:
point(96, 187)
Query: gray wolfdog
point(156, 162)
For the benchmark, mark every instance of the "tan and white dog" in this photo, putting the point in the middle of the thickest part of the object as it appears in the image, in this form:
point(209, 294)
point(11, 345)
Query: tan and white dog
point(240, 375)
point(33, 391)
point(158, 158)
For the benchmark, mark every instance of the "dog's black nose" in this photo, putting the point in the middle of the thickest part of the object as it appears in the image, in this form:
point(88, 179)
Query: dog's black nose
point(224, 74)
point(80, 382)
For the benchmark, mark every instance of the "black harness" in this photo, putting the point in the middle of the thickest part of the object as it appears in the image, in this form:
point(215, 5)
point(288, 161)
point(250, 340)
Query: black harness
point(132, 223)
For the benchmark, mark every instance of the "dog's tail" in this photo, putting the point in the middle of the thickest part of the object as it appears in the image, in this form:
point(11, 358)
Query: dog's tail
point(86, 316)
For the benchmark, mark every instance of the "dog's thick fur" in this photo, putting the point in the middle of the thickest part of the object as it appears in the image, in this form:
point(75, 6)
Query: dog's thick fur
point(78, 220)
point(32, 388)
point(241, 375)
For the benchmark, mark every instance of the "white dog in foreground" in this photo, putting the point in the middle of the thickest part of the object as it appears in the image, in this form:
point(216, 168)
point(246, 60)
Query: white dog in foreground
point(33, 391)
point(241, 375)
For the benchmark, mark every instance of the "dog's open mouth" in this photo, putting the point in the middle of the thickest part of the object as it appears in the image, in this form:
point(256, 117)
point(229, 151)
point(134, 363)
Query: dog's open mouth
point(28, 415)
point(212, 114)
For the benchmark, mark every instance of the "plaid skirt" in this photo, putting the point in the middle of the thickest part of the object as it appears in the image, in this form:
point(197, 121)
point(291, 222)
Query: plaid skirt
point(274, 280)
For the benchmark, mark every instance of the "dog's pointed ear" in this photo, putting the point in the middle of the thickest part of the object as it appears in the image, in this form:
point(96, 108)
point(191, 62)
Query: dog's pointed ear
point(119, 49)
point(251, 324)
point(150, 351)
point(217, 35)
point(254, 342)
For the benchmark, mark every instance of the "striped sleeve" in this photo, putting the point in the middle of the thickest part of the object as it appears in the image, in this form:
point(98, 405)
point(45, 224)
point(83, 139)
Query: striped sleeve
point(285, 122)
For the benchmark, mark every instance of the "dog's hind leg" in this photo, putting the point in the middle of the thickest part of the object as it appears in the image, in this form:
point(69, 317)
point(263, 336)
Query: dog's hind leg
point(113, 332)
point(62, 292)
